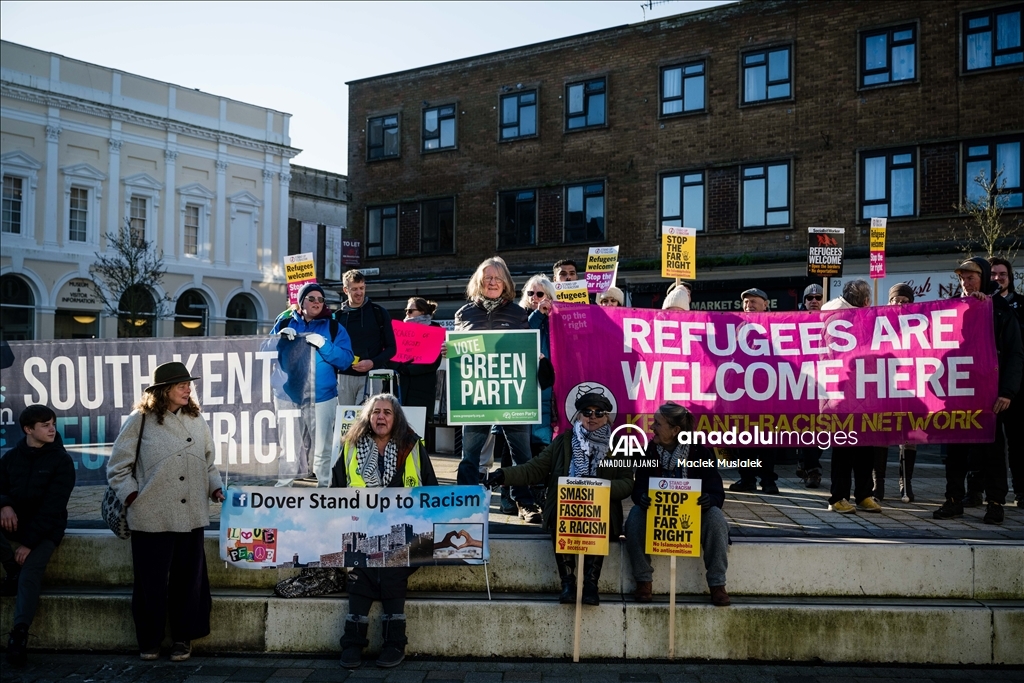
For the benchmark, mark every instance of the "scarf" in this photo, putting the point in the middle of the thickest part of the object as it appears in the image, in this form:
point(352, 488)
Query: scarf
point(371, 464)
point(669, 459)
point(490, 304)
point(588, 450)
point(423, 319)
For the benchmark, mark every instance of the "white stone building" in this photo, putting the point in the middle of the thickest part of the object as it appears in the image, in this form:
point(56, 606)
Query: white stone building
point(204, 178)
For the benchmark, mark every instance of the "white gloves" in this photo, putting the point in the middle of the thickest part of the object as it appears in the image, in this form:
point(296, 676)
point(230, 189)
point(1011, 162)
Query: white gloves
point(315, 339)
point(288, 333)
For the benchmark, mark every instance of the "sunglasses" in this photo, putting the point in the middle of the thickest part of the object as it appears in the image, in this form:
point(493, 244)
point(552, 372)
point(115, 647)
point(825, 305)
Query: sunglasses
point(411, 310)
point(593, 413)
point(811, 297)
point(315, 299)
point(539, 295)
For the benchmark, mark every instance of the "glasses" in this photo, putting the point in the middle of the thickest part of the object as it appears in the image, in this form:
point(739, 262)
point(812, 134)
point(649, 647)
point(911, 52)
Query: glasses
point(491, 278)
point(811, 297)
point(539, 295)
point(315, 299)
point(411, 310)
point(593, 413)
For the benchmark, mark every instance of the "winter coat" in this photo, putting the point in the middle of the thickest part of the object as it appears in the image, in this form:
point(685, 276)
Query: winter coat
point(335, 355)
point(553, 463)
point(37, 483)
point(369, 328)
point(710, 479)
point(175, 475)
point(1009, 347)
point(508, 316)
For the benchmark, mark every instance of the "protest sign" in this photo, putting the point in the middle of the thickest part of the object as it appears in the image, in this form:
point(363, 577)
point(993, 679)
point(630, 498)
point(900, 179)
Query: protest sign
point(825, 252)
point(602, 264)
point(679, 252)
point(492, 377)
point(673, 520)
point(298, 269)
point(264, 526)
point(417, 343)
point(919, 373)
point(876, 266)
point(583, 509)
point(573, 292)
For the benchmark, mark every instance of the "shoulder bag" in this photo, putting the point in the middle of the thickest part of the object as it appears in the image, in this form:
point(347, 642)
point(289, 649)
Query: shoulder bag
point(113, 511)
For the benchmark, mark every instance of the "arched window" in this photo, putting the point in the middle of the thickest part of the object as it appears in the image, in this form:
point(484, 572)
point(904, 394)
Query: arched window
point(191, 315)
point(17, 309)
point(241, 318)
point(136, 315)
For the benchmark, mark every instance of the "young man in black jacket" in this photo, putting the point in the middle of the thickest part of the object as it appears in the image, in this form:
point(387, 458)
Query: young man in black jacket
point(373, 340)
point(36, 479)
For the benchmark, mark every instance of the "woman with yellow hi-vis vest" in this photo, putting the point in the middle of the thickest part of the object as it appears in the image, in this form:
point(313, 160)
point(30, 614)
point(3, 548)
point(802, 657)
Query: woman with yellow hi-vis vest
point(380, 451)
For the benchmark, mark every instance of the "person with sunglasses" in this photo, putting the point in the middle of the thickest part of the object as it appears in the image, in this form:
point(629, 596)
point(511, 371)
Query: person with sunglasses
point(578, 452)
point(312, 324)
point(418, 381)
point(813, 297)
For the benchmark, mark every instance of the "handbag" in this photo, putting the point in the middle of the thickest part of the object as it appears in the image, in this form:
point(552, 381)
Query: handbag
point(311, 582)
point(113, 511)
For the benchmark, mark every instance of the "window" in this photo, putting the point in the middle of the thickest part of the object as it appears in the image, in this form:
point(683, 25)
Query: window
point(584, 104)
point(241, 318)
point(519, 115)
point(765, 195)
point(888, 55)
point(992, 38)
point(76, 324)
point(136, 312)
point(191, 314)
point(682, 200)
point(191, 229)
point(437, 231)
point(439, 128)
point(17, 309)
point(584, 213)
point(766, 75)
point(517, 219)
point(382, 134)
point(887, 184)
point(137, 219)
point(382, 234)
point(978, 161)
point(682, 88)
point(77, 215)
point(12, 203)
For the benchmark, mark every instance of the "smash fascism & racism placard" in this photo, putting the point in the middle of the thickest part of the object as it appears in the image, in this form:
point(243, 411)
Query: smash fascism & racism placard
point(582, 521)
point(673, 520)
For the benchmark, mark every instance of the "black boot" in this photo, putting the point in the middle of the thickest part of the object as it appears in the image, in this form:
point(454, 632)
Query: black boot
point(908, 456)
point(393, 651)
point(17, 646)
point(591, 574)
point(353, 641)
point(567, 573)
point(879, 458)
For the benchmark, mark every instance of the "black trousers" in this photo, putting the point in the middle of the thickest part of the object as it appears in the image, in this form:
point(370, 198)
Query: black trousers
point(855, 459)
point(388, 585)
point(1011, 421)
point(170, 580)
point(988, 459)
point(766, 454)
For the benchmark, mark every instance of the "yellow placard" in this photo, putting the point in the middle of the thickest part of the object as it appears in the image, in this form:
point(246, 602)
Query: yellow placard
point(574, 292)
point(299, 267)
point(673, 520)
point(582, 521)
point(679, 253)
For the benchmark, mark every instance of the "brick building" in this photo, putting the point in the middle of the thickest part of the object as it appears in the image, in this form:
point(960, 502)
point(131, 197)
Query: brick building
point(750, 122)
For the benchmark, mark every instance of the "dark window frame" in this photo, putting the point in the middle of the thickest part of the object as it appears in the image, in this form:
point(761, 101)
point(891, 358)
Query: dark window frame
point(891, 43)
point(768, 82)
point(788, 207)
point(436, 239)
point(993, 15)
point(683, 77)
point(14, 205)
point(518, 199)
point(683, 183)
point(588, 95)
point(382, 146)
point(518, 96)
point(442, 115)
point(590, 189)
point(1013, 192)
point(370, 246)
point(890, 165)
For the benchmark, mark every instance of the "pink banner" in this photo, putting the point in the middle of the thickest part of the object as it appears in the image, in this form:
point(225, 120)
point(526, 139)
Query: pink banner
point(920, 373)
point(417, 343)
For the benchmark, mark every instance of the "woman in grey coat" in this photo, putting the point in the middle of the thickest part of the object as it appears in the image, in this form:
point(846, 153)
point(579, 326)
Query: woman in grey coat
point(167, 489)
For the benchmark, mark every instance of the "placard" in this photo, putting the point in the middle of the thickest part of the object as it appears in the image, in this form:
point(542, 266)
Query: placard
point(298, 269)
point(573, 292)
point(876, 266)
point(582, 515)
point(602, 265)
point(417, 343)
point(492, 377)
point(825, 252)
point(673, 520)
point(679, 252)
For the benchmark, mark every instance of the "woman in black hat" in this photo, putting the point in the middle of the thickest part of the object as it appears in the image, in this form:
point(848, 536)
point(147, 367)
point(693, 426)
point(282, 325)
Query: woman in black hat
point(162, 468)
point(578, 452)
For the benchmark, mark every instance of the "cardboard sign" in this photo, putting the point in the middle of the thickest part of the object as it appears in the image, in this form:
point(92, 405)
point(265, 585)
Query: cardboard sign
point(876, 266)
point(492, 377)
point(298, 269)
point(825, 252)
point(574, 292)
point(679, 252)
point(417, 343)
point(602, 265)
point(583, 509)
point(673, 520)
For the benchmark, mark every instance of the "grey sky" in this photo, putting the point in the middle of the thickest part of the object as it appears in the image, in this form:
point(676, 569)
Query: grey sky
point(295, 56)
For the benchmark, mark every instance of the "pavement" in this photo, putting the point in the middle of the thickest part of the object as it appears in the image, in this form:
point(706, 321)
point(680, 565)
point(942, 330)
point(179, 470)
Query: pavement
point(87, 668)
point(797, 512)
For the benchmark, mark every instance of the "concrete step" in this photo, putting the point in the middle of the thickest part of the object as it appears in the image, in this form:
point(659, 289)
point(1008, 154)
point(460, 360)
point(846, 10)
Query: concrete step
point(765, 567)
point(935, 631)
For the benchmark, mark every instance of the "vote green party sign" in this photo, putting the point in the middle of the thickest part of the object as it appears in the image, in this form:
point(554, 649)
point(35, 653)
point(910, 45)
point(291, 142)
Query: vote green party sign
point(492, 377)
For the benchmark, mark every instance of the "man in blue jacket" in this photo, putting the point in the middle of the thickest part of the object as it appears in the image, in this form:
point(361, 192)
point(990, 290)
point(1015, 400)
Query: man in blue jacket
point(312, 324)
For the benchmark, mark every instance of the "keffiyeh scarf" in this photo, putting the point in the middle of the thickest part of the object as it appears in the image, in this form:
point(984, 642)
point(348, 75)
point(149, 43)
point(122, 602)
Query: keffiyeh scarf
point(376, 471)
point(588, 450)
point(670, 459)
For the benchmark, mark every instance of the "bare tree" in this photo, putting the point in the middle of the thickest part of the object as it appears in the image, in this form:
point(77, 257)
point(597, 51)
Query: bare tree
point(985, 229)
point(126, 280)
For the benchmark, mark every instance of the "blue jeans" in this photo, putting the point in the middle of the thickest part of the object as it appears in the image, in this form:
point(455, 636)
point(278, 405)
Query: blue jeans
point(473, 437)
